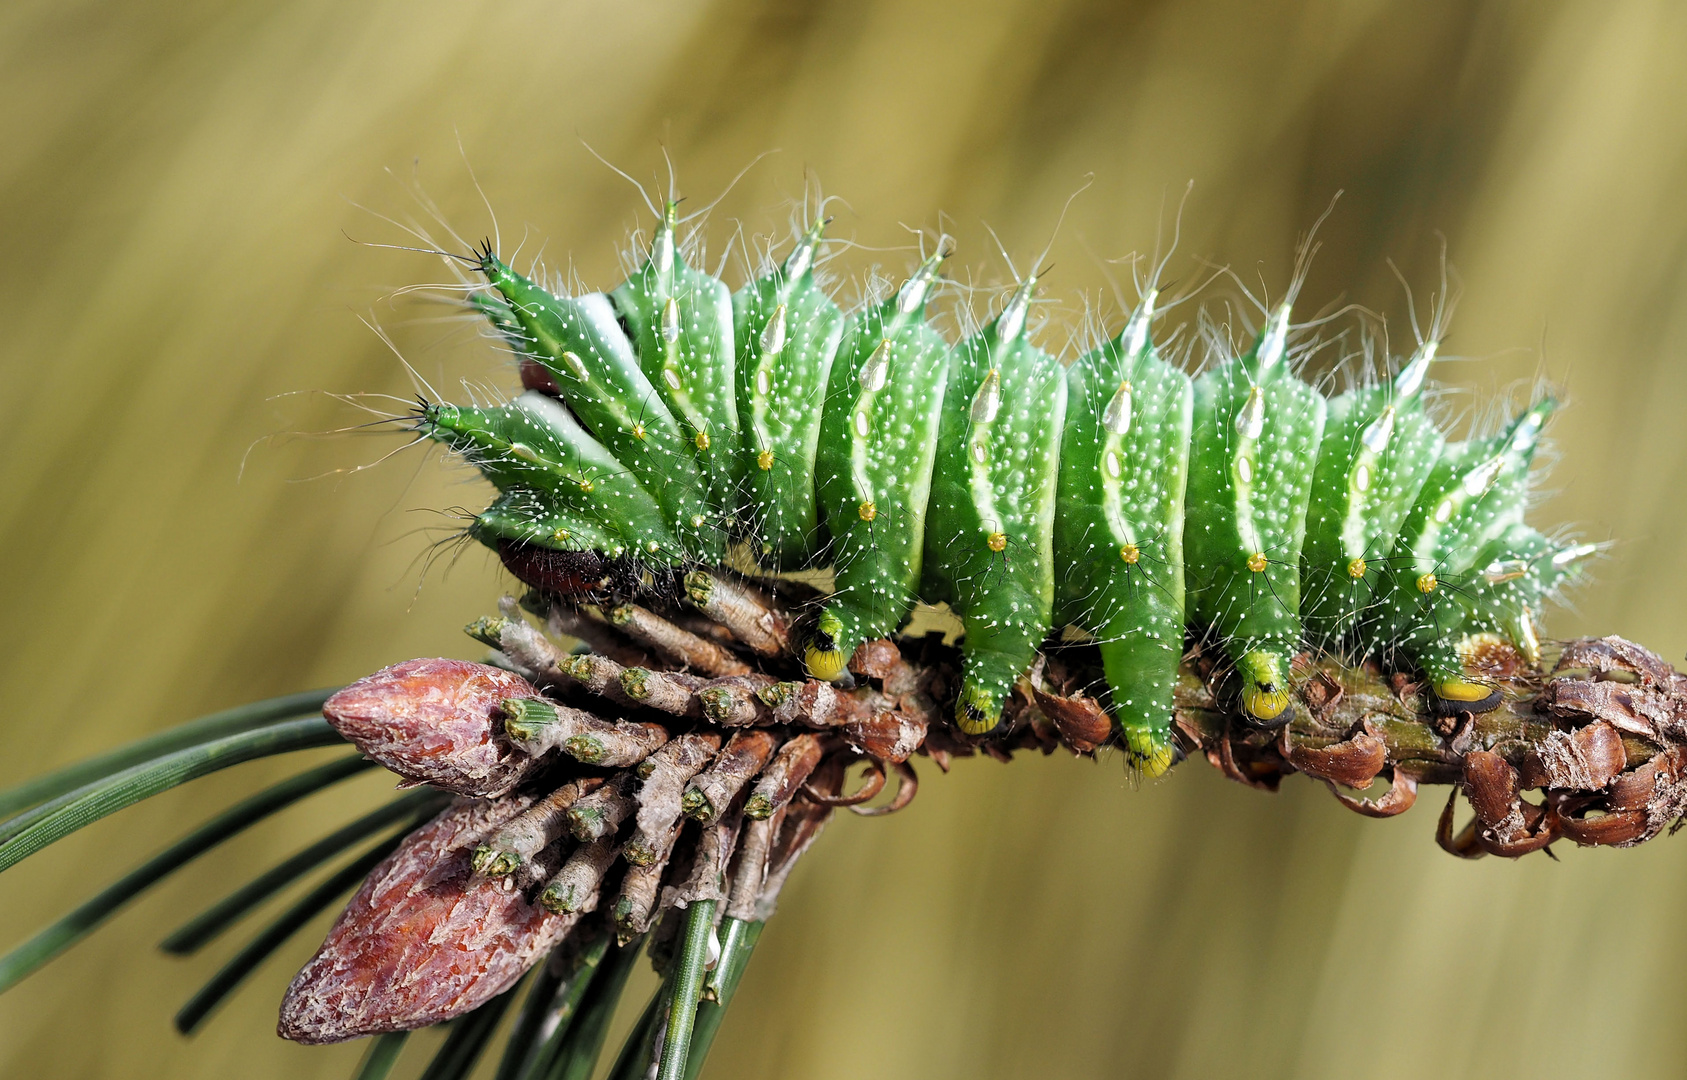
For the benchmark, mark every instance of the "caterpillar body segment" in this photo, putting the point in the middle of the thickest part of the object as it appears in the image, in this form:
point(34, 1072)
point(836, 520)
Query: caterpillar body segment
point(989, 536)
point(680, 322)
point(1118, 534)
point(1378, 450)
point(873, 468)
point(1514, 575)
point(578, 341)
point(1474, 495)
point(1255, 442)
point(527, 517)
point(787, 330)
point(1118, 496)
point(533, 443)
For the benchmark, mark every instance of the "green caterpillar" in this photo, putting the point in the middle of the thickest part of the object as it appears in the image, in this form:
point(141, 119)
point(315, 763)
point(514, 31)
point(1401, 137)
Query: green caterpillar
point(1118, 496)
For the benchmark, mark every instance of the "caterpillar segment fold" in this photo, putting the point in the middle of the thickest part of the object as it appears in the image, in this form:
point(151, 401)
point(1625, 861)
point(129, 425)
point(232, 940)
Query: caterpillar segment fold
point(878, 437)
point(1118, 533)
point(680, 322)
point(787, 330)
point(1378, 450)
point(1257, 430)
point(989, 537)
point(582, 347)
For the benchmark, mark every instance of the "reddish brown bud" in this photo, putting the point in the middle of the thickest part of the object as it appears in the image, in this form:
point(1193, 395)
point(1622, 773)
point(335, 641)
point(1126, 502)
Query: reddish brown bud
point(437, 722)
point(424, 940)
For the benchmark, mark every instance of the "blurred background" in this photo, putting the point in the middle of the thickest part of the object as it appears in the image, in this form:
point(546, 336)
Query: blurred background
point(181, 186)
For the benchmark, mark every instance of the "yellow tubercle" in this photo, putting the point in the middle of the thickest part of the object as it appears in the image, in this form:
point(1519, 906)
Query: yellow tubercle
point(1462, 691)
point(825, 664)
point(1264, 703)
point(764, 460)
point(1150, 754)
point(1356, 569)
point(867, 510)
point(977, 711)
point(1428, 583)
point(996, 541)
point(1130, 553)
point(1256, 562)
point(1265, 692)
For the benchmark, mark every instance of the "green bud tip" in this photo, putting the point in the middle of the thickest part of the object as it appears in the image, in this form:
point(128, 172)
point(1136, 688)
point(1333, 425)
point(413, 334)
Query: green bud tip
point(694, 804)
point(635, 681)
point(488, 630)
point(587, 749)
point(699, 587)
point(525, 718)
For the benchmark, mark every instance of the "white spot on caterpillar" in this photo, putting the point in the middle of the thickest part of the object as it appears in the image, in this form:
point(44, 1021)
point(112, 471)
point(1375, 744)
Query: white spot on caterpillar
point(1570, 555)
point(1376, 436)
point(1410, 379)
point(773, 337)
point(764, 385)
point(876, 371)
point(1116, 418)
point(988, 401)
point(1135, 337)
point(861, 423)
point(671, 377)
point(1274, 342)
point(1478, 480)
point(1444, 511)
point(1012, 322)
point(802, 257)
point(1110, 461)
point(662, 251)
point(1245, 469)
point(670, 321)
point(1362, 478)
point(1250, 422)
point(576, 366)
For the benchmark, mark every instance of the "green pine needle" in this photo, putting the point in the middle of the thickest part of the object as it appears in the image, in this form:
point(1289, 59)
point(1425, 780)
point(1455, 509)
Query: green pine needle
point(276, 934)
point(29, 832)
point(381, 1056)
point(206, 926)
point(61, 935)
point(205, 729)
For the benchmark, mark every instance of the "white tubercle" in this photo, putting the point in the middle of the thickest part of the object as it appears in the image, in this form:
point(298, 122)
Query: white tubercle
point(988, 401)
point(1376, 436)
point(1012, 322)
point(1116, 417)
point(1250, 422)
point(576, 366)
point(1528, 432)
point(1478, 480)
point(1135, 337)
point(773, 336)
point(876, 371)
point(670, 321)
point(1275, 341)
point(1502, 570)
point(1411, 377)
point(800, 259)
point(662, 251)
point(912, 296)
point(1573, 554)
